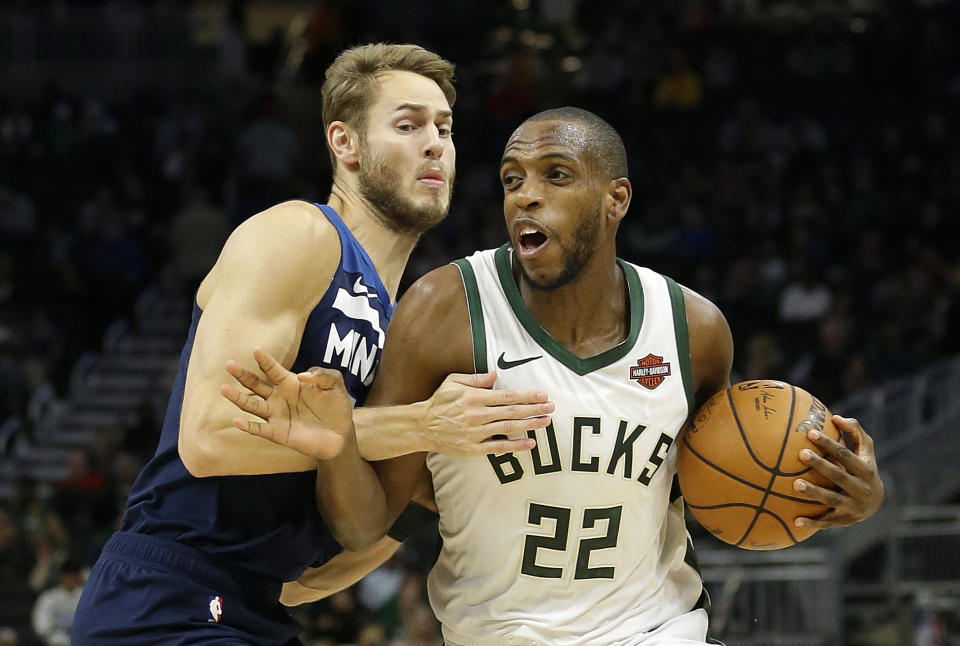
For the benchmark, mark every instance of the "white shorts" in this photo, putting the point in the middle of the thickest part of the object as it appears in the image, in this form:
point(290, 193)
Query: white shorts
point(689, 629)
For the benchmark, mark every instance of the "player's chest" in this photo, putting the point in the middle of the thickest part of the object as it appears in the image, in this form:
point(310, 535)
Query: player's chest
point(346, 331)
point(602, 426)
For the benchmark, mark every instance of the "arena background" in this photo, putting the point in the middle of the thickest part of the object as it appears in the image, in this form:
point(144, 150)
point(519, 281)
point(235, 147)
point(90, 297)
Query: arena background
point(795, 161)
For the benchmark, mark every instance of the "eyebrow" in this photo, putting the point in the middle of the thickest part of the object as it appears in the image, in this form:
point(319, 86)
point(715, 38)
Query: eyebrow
point(420, 107)
point(512, 158)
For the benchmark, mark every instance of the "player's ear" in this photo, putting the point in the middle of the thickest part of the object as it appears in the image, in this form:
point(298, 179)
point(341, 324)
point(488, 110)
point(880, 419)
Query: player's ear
point(344, 142)
point(617, 198)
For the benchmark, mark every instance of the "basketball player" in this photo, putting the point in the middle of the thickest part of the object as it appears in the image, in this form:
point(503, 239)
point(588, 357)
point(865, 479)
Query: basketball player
point(581, 540)
point(218, 519)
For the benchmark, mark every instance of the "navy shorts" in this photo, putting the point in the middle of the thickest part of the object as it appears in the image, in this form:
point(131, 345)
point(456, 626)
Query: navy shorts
point(146, 590)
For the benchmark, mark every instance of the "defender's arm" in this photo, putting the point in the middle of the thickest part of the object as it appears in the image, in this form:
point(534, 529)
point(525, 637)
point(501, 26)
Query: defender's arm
point(259, 293)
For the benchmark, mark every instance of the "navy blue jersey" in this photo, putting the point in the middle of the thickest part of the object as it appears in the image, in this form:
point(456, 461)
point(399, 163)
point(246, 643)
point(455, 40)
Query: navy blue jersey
point(267, 524)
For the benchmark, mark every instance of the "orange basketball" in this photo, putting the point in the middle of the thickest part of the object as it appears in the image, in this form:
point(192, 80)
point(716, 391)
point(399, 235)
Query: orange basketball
point(739, 456)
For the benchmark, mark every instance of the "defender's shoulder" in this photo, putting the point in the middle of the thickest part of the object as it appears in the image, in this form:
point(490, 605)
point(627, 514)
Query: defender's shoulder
point(290, 250)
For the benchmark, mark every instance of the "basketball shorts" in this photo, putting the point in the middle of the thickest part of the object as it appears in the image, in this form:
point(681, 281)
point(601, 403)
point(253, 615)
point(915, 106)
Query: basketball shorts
point(689, 629)
point(150, 591)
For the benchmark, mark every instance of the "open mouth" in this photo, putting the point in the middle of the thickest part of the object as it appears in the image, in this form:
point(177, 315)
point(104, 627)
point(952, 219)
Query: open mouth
point(531, 239)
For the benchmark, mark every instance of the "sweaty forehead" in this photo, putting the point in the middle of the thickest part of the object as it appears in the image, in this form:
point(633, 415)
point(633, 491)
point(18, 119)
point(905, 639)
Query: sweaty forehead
point(535, 138)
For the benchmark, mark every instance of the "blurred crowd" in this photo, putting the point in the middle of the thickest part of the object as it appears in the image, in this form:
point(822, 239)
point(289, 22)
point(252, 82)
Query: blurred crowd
point(801, 170)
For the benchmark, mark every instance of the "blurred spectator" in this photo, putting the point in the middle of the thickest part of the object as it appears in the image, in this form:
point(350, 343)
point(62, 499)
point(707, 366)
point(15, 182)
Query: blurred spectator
point(50, 551)
point(804, 301)
point(17, 214)
point(197, 232)
point(83, 502)
point(267, 154)
point(681, 87)
point(54, 609)
point(232, 43)
point(15, 555)
point(341, 620)
point(764, 359)
point(379, 590)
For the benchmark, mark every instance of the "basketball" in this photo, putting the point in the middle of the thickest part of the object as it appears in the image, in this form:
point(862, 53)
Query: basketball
point(739, 457)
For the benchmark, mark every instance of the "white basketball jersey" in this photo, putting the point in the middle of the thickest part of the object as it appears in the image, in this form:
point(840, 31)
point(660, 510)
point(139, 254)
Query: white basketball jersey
point(581, 540)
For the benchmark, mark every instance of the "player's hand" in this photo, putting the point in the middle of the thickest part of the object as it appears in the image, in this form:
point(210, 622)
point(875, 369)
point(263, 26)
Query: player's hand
point(859, 489)
point(465, 417)
point(310, 412)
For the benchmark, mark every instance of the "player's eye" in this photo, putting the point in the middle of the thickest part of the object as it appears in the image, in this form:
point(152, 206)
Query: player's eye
point(445, 131)
point(510, 180)
point(406, 126)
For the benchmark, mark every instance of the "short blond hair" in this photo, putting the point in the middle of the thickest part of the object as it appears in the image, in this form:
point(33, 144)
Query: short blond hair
point(351, 80)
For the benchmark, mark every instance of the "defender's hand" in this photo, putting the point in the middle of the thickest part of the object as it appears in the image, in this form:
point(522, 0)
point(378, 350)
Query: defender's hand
point(310, 412)
point(464, 416)
point(859, 489)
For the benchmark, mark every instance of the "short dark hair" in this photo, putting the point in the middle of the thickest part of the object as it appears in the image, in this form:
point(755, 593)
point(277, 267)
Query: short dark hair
point(603, 141)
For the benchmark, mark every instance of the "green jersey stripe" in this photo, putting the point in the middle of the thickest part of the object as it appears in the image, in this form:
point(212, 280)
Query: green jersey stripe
point(551, 345)
point(475, 311)
point(683, 339)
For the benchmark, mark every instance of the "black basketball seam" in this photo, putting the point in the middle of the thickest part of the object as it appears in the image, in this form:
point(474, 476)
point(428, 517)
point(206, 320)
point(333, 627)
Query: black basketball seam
point(759, 510)
point(743, 435)
point(741, 480)
point(786, 528)
point(772, 493)
point(773, 477)
point(726, 504)
point(793, 474)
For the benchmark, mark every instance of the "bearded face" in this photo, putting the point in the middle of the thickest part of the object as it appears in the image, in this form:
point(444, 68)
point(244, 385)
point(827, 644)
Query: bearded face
point(403, 202)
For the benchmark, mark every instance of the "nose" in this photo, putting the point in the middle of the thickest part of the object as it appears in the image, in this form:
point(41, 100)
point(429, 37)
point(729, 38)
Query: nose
point(433, 147)
point(528, 196)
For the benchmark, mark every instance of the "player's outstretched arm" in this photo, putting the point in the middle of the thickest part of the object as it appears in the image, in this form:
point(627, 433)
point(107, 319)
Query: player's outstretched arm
point(339, 573)
point(429, 339)
point(459, 417)
point(346, 568)
point(310, 413)
point(858, 489)
point(268, 278)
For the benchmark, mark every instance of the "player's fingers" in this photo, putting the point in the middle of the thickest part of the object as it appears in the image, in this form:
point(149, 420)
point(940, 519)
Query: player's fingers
point(830, 469)
point(245, 401)
point(826, 521)
point(503, 445)
point(270, 366)
point(259, 429)
point(825, 496)
point(249, 379)
point(861, 442)
point(477, 380)
point(514, 426)
point(511, 397)
point(851, 431)
point(489, 414)
point(836, 453)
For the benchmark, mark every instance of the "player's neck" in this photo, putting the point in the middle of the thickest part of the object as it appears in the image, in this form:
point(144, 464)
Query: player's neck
point(587, 315)
point(388, 249)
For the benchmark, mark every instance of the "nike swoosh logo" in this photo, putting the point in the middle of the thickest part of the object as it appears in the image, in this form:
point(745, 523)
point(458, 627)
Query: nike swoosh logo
point(503, 364)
